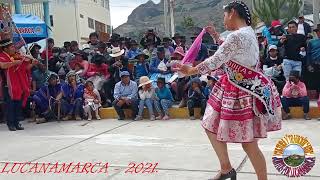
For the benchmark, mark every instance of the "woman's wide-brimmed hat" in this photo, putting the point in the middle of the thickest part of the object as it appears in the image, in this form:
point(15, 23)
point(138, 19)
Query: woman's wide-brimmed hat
point(144, 80)
point(116, 52)
point(142, 54)
point(179, 50)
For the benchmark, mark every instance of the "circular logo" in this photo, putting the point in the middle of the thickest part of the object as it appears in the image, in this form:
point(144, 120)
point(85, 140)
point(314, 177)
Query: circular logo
point(293, 156)
point(38, 30)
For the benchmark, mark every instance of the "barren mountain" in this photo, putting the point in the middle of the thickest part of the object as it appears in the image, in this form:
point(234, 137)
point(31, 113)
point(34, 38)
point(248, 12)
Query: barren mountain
point(150, 15)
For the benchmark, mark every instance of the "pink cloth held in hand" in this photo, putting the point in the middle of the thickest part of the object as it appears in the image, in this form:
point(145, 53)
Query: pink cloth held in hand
point(192, 53)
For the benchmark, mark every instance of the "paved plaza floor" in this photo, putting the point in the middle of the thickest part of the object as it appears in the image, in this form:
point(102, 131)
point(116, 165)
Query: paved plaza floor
point(165, 150)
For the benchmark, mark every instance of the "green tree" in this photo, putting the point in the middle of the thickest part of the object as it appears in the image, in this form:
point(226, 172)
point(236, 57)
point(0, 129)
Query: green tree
point(188, 22)
point(268, 10)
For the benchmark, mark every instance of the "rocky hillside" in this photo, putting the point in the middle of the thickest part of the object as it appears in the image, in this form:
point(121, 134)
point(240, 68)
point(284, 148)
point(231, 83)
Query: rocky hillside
point(150, 15)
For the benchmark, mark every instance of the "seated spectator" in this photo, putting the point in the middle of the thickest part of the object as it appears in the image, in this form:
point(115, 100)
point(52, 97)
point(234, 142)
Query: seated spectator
point(147, 96)
point(78, 69)
point(203, 52)
point(98, 72)
point(49, 55)
point(150, 35)
point(272, 67)
point(178, 41)
point(158, 66)
point(92, 101)
point(40, 76)
point(134, 50)
point(150, 50)
point(211, 82)
point(117, 64)
point(35, 51)
point(74, 46)
point(313, 62)
point(295, 94)
point(47, 98)
point(165, 99)
point(67, 45)
point(126, 96)
point(72, 99)
point(78, 58)
point(196, 98)
point(142, 67)
point(167, 44)
point(94, 40)
point(179, 86)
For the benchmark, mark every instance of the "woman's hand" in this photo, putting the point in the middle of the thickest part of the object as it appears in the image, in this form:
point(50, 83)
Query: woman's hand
point(187, 70)
point(211, 29)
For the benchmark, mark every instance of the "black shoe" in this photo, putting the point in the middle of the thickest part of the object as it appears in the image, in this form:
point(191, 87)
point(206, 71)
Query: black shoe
point(230, 175)
point(11, 128)
point(121, 118)
point(19, 127)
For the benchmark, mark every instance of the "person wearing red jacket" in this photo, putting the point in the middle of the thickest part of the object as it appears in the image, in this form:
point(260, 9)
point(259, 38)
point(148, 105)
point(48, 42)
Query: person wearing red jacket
point(98, 72)
point(17, 77)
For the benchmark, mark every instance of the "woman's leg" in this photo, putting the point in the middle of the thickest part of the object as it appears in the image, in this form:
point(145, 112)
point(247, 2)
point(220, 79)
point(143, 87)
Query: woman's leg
point(257, 159)
point(222, 152)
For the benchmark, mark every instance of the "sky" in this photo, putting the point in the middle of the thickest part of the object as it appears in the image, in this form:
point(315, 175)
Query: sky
point(121, 9)
point(293, 149)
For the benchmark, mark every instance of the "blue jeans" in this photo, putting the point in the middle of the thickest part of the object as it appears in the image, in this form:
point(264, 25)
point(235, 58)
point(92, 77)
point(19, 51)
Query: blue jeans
point(149, 104)
point(163, 104)
point(295, 102)
point(291, 65)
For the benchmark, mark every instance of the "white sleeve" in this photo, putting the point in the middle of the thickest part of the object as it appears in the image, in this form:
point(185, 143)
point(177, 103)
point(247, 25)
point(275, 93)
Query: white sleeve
point(227, 51)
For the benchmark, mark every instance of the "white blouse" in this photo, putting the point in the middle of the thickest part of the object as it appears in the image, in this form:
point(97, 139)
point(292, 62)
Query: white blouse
point(240, 46)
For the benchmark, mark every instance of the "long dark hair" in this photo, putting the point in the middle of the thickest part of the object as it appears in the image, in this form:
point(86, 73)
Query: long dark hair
point(242, 9)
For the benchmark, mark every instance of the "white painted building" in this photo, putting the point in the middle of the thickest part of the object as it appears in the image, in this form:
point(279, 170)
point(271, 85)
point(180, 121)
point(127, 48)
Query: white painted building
point(72, 19)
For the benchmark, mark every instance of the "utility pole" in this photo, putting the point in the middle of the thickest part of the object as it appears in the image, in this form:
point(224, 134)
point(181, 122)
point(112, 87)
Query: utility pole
point(173, 30)
point(316, 11)
point(165, 16)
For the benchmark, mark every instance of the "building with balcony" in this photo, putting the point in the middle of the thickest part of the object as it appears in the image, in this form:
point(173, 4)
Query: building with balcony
point(68, 19)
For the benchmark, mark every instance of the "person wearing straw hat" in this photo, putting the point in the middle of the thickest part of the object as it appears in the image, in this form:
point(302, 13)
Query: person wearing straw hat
point(126, 96)
point(141, 68)
point(117, 64)
point(147, 97)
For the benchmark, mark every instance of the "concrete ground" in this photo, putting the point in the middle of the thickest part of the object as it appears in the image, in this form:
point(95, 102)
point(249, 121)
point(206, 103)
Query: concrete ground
point(180, 147)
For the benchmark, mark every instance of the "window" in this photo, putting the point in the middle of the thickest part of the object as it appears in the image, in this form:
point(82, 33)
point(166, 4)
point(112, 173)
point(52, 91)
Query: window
point(109, 29)
point(100, 27)
point(102, 3)
point(90, 23)
point(81, 16)
point(51, 20)
point(106, 2)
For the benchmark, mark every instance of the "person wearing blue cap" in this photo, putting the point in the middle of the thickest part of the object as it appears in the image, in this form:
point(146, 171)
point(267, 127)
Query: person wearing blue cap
point(125, 95)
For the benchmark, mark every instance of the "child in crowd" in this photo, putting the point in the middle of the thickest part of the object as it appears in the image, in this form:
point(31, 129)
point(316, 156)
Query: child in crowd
point(147, 98)
point(295, 94)
point(92, 101)
point(196, 98)
point(207, 90)
point(165, 99)
point(142, 67)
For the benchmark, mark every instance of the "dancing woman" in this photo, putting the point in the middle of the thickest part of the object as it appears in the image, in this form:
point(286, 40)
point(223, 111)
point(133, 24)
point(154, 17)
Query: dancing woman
point(244, 104)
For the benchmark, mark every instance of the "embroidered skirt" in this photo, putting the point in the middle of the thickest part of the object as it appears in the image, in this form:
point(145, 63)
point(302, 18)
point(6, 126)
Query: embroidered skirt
point(230, 114)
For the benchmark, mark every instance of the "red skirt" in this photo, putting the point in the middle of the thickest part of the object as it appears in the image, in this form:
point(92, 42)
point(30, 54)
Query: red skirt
point(230, 114)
